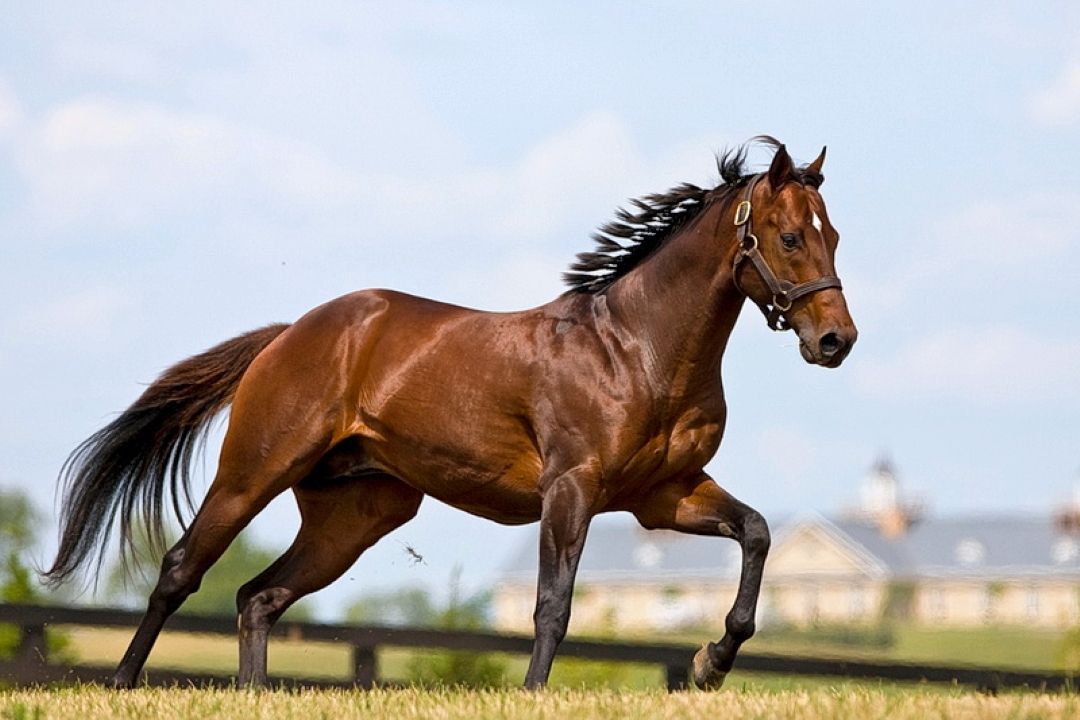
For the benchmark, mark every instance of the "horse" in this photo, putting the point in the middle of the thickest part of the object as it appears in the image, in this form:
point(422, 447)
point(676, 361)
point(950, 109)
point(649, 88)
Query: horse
point(608, 398)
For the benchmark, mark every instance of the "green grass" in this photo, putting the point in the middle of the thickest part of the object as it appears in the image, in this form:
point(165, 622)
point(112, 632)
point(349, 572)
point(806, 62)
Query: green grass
point(1024, 648)
point(997, 647)
point(409, 704)
point(215, 653)
point(332, 661)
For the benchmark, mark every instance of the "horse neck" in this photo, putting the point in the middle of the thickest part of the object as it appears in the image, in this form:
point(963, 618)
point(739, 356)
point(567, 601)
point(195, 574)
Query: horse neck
point(681, 304)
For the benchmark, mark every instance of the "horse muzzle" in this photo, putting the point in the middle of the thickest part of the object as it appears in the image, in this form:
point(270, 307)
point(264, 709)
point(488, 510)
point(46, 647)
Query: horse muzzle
point(829, 348)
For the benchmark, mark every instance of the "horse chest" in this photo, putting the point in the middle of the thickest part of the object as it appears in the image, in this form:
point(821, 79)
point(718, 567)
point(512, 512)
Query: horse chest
point(693, 446)
point(684, 446)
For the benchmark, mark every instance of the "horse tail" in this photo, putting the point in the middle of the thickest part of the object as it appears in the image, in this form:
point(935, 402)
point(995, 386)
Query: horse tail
point(125, 467)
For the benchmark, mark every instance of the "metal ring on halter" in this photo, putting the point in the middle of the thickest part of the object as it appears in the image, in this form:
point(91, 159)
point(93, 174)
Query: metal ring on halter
point(753, 246)
point(776, 301)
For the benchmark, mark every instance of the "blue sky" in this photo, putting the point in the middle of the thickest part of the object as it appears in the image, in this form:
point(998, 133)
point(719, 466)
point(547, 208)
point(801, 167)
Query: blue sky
point(171, 176)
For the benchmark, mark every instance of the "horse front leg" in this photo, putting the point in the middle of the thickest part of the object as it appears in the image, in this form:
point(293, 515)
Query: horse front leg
point(701, 507)
point(564, 522)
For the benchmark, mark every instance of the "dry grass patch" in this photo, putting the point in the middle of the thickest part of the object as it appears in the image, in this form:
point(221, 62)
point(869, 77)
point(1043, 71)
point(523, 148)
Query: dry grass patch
point(93, 702)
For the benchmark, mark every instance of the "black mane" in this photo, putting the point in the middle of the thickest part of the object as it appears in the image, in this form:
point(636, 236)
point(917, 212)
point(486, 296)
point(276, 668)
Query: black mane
point(623, 243)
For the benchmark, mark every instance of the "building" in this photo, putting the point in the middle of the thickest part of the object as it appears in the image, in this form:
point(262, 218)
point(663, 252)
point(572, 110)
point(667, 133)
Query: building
point(883, 559)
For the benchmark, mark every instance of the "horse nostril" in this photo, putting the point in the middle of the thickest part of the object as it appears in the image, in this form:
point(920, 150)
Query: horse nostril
point(830, 344)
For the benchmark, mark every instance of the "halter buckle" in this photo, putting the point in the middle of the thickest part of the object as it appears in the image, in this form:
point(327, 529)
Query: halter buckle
point(742, 213)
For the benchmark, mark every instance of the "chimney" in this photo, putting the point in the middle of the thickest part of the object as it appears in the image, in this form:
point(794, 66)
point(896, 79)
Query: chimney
point(881, 503)
point(1067, 516)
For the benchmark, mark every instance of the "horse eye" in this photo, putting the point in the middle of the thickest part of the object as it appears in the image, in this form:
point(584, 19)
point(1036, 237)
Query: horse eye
point(790, 240)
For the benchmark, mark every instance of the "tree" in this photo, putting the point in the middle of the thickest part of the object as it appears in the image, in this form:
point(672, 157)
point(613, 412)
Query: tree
point(19, 522)
point(414, 607)
point(409, 607)
point(1069, 651)
point(18, 533)
point(458, 668)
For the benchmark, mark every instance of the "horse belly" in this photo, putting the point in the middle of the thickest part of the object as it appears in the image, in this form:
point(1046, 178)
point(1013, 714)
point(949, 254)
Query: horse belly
point(506, 494)
point(487, 469)
point(506, 500)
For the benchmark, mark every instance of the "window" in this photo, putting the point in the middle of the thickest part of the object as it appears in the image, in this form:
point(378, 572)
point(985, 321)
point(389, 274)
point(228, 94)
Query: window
point(969, 552)
point(1032, 604)
point(857, 607)
point(810, 605)
point(987, 599)
point(938, 607)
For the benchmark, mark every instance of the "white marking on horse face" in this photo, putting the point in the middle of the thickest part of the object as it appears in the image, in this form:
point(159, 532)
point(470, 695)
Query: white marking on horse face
point(816, 221)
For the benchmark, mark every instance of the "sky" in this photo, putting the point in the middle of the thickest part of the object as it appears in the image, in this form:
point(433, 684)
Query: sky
point(172, 175)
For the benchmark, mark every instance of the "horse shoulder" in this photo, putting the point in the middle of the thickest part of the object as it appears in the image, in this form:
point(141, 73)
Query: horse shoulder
point(696, 434)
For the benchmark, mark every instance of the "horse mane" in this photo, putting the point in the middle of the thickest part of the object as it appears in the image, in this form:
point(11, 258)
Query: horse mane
point(623, 243)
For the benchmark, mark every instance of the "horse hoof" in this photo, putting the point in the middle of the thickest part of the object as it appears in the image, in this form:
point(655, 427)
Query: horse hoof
point(706, 676)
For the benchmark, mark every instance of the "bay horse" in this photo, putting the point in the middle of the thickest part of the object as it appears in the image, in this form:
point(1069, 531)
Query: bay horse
point(608, 398)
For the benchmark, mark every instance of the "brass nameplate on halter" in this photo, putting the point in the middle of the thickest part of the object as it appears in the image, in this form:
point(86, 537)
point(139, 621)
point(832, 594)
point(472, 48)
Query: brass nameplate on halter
point(742, 213)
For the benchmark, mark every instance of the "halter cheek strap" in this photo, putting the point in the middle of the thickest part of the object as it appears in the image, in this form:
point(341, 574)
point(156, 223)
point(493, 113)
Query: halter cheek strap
point(784, 293)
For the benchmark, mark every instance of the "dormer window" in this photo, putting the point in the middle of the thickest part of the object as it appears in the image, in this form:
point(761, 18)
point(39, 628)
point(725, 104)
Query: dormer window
point(970, 551)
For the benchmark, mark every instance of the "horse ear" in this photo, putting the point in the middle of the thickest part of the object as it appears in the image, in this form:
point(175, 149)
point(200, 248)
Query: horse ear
point(815, 167)
point(782, 168)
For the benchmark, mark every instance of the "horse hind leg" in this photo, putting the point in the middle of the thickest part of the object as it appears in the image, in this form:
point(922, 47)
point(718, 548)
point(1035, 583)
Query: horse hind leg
point(217, 523)
point(340, 519)
point(248, 478)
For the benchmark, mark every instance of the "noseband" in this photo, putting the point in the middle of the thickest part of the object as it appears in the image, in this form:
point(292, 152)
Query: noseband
point(784, 293)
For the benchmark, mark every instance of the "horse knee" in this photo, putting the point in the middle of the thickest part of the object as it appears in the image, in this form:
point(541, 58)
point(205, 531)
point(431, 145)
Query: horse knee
point(262, 609)
point(245, 593)
point(175, 582)
point(755, 534)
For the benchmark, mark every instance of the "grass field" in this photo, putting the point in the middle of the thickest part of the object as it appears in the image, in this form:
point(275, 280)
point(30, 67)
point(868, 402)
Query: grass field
point(216, 654)
point(631, 692)
point(1000, 647)
point(837, 701)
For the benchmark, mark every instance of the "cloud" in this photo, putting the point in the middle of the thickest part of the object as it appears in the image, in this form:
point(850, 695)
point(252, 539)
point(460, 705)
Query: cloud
point(522, 278)
point(102, 164)
point(1004, 231)
point(786, 451)
point(593, 162)
point(10, 111)
point(83, 314)
point(1058, 104)
point(568, 171)
point(118, 60)
point(989, 247)
point(990, 365)
point(129, 163)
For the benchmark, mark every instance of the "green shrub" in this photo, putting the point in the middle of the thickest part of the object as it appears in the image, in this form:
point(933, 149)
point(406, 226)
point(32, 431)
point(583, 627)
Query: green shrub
point(454, 667)
point(18, 524)
point(1069, 651)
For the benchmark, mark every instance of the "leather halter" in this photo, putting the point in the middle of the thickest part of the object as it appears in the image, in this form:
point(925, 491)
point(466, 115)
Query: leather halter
point(784, 293)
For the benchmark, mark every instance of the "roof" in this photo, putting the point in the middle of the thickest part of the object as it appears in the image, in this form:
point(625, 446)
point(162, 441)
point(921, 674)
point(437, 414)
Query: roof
point(1001, 545)
point(983, 546)
point(617, 550)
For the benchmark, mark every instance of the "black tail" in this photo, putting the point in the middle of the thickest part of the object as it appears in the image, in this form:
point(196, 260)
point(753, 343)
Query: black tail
point(127, 465)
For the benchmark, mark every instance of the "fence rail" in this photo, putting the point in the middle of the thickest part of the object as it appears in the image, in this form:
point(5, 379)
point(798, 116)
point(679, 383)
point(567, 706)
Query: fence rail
point(31, 662)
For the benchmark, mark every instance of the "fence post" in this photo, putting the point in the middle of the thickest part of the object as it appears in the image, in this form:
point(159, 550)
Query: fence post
point(32, 649)
point(676, 676)
point(365, 666)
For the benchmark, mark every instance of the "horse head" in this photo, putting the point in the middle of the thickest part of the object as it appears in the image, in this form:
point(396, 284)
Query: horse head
point(785, 258)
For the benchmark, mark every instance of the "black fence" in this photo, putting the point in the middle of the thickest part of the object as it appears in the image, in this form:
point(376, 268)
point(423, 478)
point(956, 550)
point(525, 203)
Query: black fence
point(31, 664)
